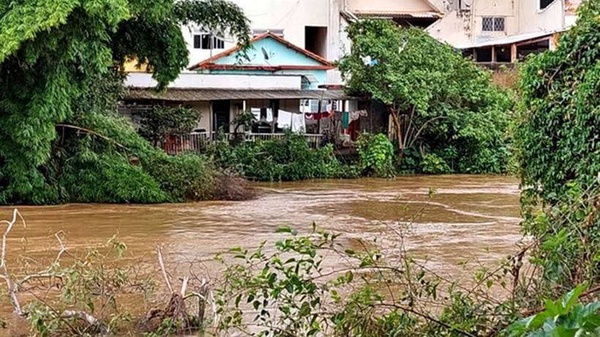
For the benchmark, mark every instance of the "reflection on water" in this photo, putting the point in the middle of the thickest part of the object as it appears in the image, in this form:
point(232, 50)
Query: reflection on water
point(468, 217)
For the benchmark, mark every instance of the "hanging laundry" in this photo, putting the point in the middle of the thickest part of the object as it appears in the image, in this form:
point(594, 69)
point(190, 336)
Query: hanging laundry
point(345, 120)
point(355, 115)
point(318, 115)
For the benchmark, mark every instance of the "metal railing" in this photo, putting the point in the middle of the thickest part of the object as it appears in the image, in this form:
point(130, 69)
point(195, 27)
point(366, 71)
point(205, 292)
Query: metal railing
point(198, 141)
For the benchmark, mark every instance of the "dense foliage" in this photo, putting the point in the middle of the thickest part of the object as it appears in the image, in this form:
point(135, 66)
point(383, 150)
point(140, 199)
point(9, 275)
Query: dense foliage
point(376, 155)
point(162, 121)
point(52, 53)
point(440, 102)
point(564, 317)
point(279, 160)
point(556, 138)
point(558, 124)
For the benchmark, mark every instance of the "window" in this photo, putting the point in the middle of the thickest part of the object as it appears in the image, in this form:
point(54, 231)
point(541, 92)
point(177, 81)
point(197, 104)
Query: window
point(208, 41)
point(545, 3)
point(492, 24)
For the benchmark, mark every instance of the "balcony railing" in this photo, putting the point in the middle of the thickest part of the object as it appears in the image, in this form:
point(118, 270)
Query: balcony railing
point(197, 142)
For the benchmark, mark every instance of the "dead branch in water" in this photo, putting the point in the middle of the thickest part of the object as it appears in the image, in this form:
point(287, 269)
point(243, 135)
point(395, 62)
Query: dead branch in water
point(176, 310)
point(162, 268)
point(10, 283)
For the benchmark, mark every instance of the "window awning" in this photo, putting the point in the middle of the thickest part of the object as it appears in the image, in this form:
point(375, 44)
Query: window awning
point(196, 95)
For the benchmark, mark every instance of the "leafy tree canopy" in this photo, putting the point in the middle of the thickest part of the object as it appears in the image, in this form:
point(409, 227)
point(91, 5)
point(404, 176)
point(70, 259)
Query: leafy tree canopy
point(438, 100)
point(557, 133)
point(53, 51)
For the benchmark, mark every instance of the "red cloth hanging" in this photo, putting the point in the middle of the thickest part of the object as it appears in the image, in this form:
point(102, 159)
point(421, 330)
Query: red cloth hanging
point(318, 115)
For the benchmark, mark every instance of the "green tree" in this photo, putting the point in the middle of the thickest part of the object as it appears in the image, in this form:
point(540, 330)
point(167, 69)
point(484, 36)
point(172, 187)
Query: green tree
point(53, 52)
point(161, 121)
point(438, 101)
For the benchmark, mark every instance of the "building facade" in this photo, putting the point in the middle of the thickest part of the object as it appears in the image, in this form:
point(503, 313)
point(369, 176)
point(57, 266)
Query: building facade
point(501, 31)
point(472, 25)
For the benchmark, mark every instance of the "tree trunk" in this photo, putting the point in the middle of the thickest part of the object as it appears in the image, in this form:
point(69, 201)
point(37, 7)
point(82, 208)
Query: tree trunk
point(397, 131)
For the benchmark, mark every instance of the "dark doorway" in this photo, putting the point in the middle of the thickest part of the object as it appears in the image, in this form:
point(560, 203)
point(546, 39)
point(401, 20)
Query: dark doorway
point(503, 54)
point(221, 115)
point(315, 40)
point(484, 54)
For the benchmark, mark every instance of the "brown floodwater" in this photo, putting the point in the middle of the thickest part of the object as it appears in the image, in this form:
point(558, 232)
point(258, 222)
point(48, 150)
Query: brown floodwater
point(467, 218)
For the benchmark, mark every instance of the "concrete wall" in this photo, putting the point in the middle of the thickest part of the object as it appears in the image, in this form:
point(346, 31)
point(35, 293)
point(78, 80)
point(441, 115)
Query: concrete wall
point(495, 8)
point(290, 15)
point(521, 17)
point(452, 29)
point(533, 19)
point(205, 120)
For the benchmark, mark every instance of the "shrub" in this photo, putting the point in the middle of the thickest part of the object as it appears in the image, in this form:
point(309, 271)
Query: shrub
point(376, 155)
point(433, 164)
point(289, 159)
point(109, 179)
point(162, 121)
point(562, 318)
point(183, 177)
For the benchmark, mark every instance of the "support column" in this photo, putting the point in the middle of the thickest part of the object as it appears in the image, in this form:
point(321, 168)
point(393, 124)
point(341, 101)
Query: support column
point(513, 53)
point(275, 110)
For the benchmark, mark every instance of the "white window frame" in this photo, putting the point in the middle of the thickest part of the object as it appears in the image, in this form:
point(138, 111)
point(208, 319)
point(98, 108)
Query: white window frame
point(215, 42)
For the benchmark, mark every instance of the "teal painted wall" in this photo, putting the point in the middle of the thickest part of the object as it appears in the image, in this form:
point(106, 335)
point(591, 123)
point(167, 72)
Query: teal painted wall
point(279, 54)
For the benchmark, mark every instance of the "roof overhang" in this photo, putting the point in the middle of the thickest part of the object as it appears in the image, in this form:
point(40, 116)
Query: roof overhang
point(515, 39)
point(198, 95)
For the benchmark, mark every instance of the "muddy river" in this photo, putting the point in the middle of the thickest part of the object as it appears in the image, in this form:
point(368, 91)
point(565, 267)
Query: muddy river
point(464, 218)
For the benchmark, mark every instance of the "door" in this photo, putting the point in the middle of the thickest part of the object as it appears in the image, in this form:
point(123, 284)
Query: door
point(221, 115)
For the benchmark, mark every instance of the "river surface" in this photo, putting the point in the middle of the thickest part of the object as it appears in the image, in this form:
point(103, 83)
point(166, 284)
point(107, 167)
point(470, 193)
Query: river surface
point(466, 218)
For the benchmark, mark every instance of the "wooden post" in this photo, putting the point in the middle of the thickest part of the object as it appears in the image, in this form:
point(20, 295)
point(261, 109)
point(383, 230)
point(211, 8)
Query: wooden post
point(513, 53)
point(493, 54)
point(275, 111)
point(319, 116)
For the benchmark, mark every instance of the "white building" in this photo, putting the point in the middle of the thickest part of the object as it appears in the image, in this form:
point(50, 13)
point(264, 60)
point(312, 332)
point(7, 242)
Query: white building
point(315, 25)
point(501, 31)
point(476, 25)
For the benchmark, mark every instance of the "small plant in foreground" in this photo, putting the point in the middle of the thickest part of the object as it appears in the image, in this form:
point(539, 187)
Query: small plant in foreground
point(566, 317)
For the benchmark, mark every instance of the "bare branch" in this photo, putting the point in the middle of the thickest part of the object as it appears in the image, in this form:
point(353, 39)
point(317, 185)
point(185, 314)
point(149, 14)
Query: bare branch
point(164, 271)
point(12, 286)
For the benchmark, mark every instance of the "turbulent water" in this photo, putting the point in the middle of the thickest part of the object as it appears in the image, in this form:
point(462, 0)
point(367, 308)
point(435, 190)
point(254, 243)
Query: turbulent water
point(445, 220)
point(466, 217)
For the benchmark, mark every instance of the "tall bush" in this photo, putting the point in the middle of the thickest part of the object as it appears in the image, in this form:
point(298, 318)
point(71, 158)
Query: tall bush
point(557, 142)
point(557, 131)
point(376, 155)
